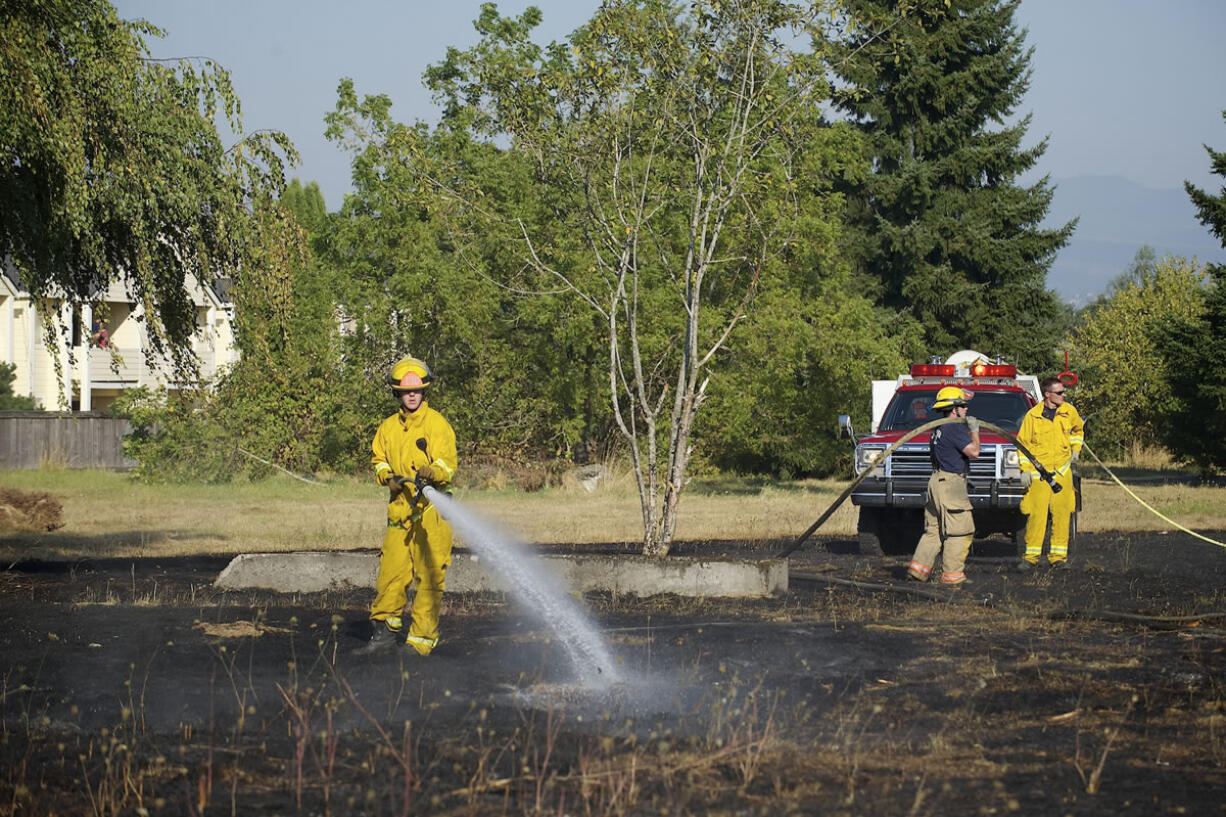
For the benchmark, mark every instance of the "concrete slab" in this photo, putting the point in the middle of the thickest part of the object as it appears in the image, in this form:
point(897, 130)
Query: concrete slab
point(314, 572)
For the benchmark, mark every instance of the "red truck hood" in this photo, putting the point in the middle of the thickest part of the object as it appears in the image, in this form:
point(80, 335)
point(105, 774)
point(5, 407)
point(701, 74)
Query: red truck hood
point(891, 437)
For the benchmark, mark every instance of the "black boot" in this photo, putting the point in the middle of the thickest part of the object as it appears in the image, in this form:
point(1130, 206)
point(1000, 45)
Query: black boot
point(380, 640)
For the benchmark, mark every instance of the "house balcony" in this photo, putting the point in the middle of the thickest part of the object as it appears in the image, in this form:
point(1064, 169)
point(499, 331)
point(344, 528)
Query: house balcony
point(128, 369)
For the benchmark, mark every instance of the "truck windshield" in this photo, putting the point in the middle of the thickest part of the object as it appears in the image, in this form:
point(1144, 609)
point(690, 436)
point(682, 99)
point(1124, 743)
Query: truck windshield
point(912, 408)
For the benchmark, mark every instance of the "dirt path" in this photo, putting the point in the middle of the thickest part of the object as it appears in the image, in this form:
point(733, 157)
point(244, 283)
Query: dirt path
point(132, 685)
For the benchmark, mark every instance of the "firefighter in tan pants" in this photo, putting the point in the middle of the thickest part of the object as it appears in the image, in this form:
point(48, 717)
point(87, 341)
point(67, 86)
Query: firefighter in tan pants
point(948, 525)
point(416, 441)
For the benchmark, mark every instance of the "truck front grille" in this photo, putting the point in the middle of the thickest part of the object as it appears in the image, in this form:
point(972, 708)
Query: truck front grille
point(916, 462)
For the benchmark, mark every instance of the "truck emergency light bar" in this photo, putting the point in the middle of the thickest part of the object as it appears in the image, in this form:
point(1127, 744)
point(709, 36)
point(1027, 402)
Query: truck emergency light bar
point(932, 370)
point(949, 370)
point(993, 370)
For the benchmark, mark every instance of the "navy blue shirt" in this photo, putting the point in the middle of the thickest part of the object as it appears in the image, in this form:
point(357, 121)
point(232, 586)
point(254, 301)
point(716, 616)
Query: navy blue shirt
point(947, 444)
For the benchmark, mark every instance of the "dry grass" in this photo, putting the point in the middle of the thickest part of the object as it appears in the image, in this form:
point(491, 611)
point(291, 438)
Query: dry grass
point(108, 515)
point(1107, 506)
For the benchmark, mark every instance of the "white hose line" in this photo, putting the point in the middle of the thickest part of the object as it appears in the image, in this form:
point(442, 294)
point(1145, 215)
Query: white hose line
point(1146, 505)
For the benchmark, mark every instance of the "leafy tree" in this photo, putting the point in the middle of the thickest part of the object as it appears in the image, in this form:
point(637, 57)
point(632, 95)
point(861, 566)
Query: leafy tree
point(512, 375)
point(278, 404)
point(811, 345)
point(279, 400)
point(112, 168)
point(822, 345)
point(1125, 391)
point(8, 400)
point(666, 144)
point(941, 229)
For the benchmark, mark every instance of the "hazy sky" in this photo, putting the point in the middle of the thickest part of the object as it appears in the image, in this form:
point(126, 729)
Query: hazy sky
point(1128, 88)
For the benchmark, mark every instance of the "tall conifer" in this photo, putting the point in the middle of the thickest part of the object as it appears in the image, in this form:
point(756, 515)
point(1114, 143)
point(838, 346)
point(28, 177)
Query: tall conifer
point(942, 229)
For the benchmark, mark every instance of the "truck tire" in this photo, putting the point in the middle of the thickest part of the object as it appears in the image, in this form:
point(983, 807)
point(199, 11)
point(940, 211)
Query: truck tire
point(903, 533)
point(889, 531)
point(868, 531)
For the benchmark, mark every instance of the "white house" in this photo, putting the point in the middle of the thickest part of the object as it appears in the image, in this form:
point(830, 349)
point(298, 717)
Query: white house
point(109, 356)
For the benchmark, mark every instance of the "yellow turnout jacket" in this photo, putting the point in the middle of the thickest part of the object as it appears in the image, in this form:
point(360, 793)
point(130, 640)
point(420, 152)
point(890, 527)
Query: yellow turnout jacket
point(1051, 441)
point(395, 451)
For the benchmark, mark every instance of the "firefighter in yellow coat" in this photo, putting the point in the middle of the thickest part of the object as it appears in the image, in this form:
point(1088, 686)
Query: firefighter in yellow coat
point(414, 443)
point(1053, 432)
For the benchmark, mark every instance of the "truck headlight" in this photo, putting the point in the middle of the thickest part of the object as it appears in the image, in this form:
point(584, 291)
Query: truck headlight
point(868, 457)
point(1011, 469)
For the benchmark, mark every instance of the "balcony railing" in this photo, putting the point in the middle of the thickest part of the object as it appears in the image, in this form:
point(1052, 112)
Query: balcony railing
point(130, 368)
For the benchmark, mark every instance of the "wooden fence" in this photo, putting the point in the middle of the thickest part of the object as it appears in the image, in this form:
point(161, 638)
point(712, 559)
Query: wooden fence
point(76, 439)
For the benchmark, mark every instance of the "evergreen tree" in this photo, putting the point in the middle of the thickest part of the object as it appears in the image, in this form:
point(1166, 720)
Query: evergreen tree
point(1195, 351)
point(1211, 210)
point(9, 401)
point(307, 205)
point(941, 228)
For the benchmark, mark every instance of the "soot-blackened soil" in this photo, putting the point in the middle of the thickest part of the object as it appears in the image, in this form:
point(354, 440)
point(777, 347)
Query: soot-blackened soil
point(1096, 690)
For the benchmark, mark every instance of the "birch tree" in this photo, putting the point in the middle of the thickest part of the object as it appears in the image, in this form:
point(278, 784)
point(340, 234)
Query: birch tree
point(666, 139)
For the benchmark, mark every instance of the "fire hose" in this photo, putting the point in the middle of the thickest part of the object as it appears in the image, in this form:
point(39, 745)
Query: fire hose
point(1044, 474)
point(396, 484)
point(1146, 505)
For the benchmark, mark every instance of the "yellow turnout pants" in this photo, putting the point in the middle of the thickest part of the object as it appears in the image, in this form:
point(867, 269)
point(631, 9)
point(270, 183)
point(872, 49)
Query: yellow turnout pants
point(1038, 502)
point(418, 550)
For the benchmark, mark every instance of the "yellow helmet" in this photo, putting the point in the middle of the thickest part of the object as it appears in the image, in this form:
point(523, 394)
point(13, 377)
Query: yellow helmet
point(409, 374)
point(950, 397)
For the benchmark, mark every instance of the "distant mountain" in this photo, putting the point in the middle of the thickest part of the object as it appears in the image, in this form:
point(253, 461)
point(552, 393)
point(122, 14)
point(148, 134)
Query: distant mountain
point(1118, 217)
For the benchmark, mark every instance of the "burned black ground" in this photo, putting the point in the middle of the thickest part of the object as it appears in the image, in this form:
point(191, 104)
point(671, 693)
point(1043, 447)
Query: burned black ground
point(137, 685)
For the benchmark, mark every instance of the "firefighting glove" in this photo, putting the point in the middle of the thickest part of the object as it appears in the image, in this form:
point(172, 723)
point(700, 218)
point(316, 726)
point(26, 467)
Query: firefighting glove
point(1027, 479)
point(972, 424)
point(426, 473)
point(395, 486)
point(1076, 455)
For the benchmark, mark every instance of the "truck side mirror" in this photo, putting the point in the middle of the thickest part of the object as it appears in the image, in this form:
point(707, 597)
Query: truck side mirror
point(845, 429)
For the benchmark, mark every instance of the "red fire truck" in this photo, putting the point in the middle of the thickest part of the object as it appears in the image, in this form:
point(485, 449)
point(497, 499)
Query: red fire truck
point(892, 497)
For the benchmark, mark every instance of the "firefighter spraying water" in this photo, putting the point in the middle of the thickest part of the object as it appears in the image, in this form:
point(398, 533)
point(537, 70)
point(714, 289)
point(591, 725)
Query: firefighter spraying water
point(412, 448)
point(414, 455)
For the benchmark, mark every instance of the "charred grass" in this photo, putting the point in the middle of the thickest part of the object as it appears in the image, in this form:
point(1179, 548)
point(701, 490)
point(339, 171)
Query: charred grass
point(952, 707)
point(1018, 696)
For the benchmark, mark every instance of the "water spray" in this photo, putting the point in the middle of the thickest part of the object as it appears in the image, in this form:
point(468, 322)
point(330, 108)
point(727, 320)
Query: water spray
point(529, 579)
point(532, 583)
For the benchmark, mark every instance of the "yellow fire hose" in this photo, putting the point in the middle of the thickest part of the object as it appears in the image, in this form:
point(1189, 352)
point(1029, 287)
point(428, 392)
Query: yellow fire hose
point(1146, 505)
